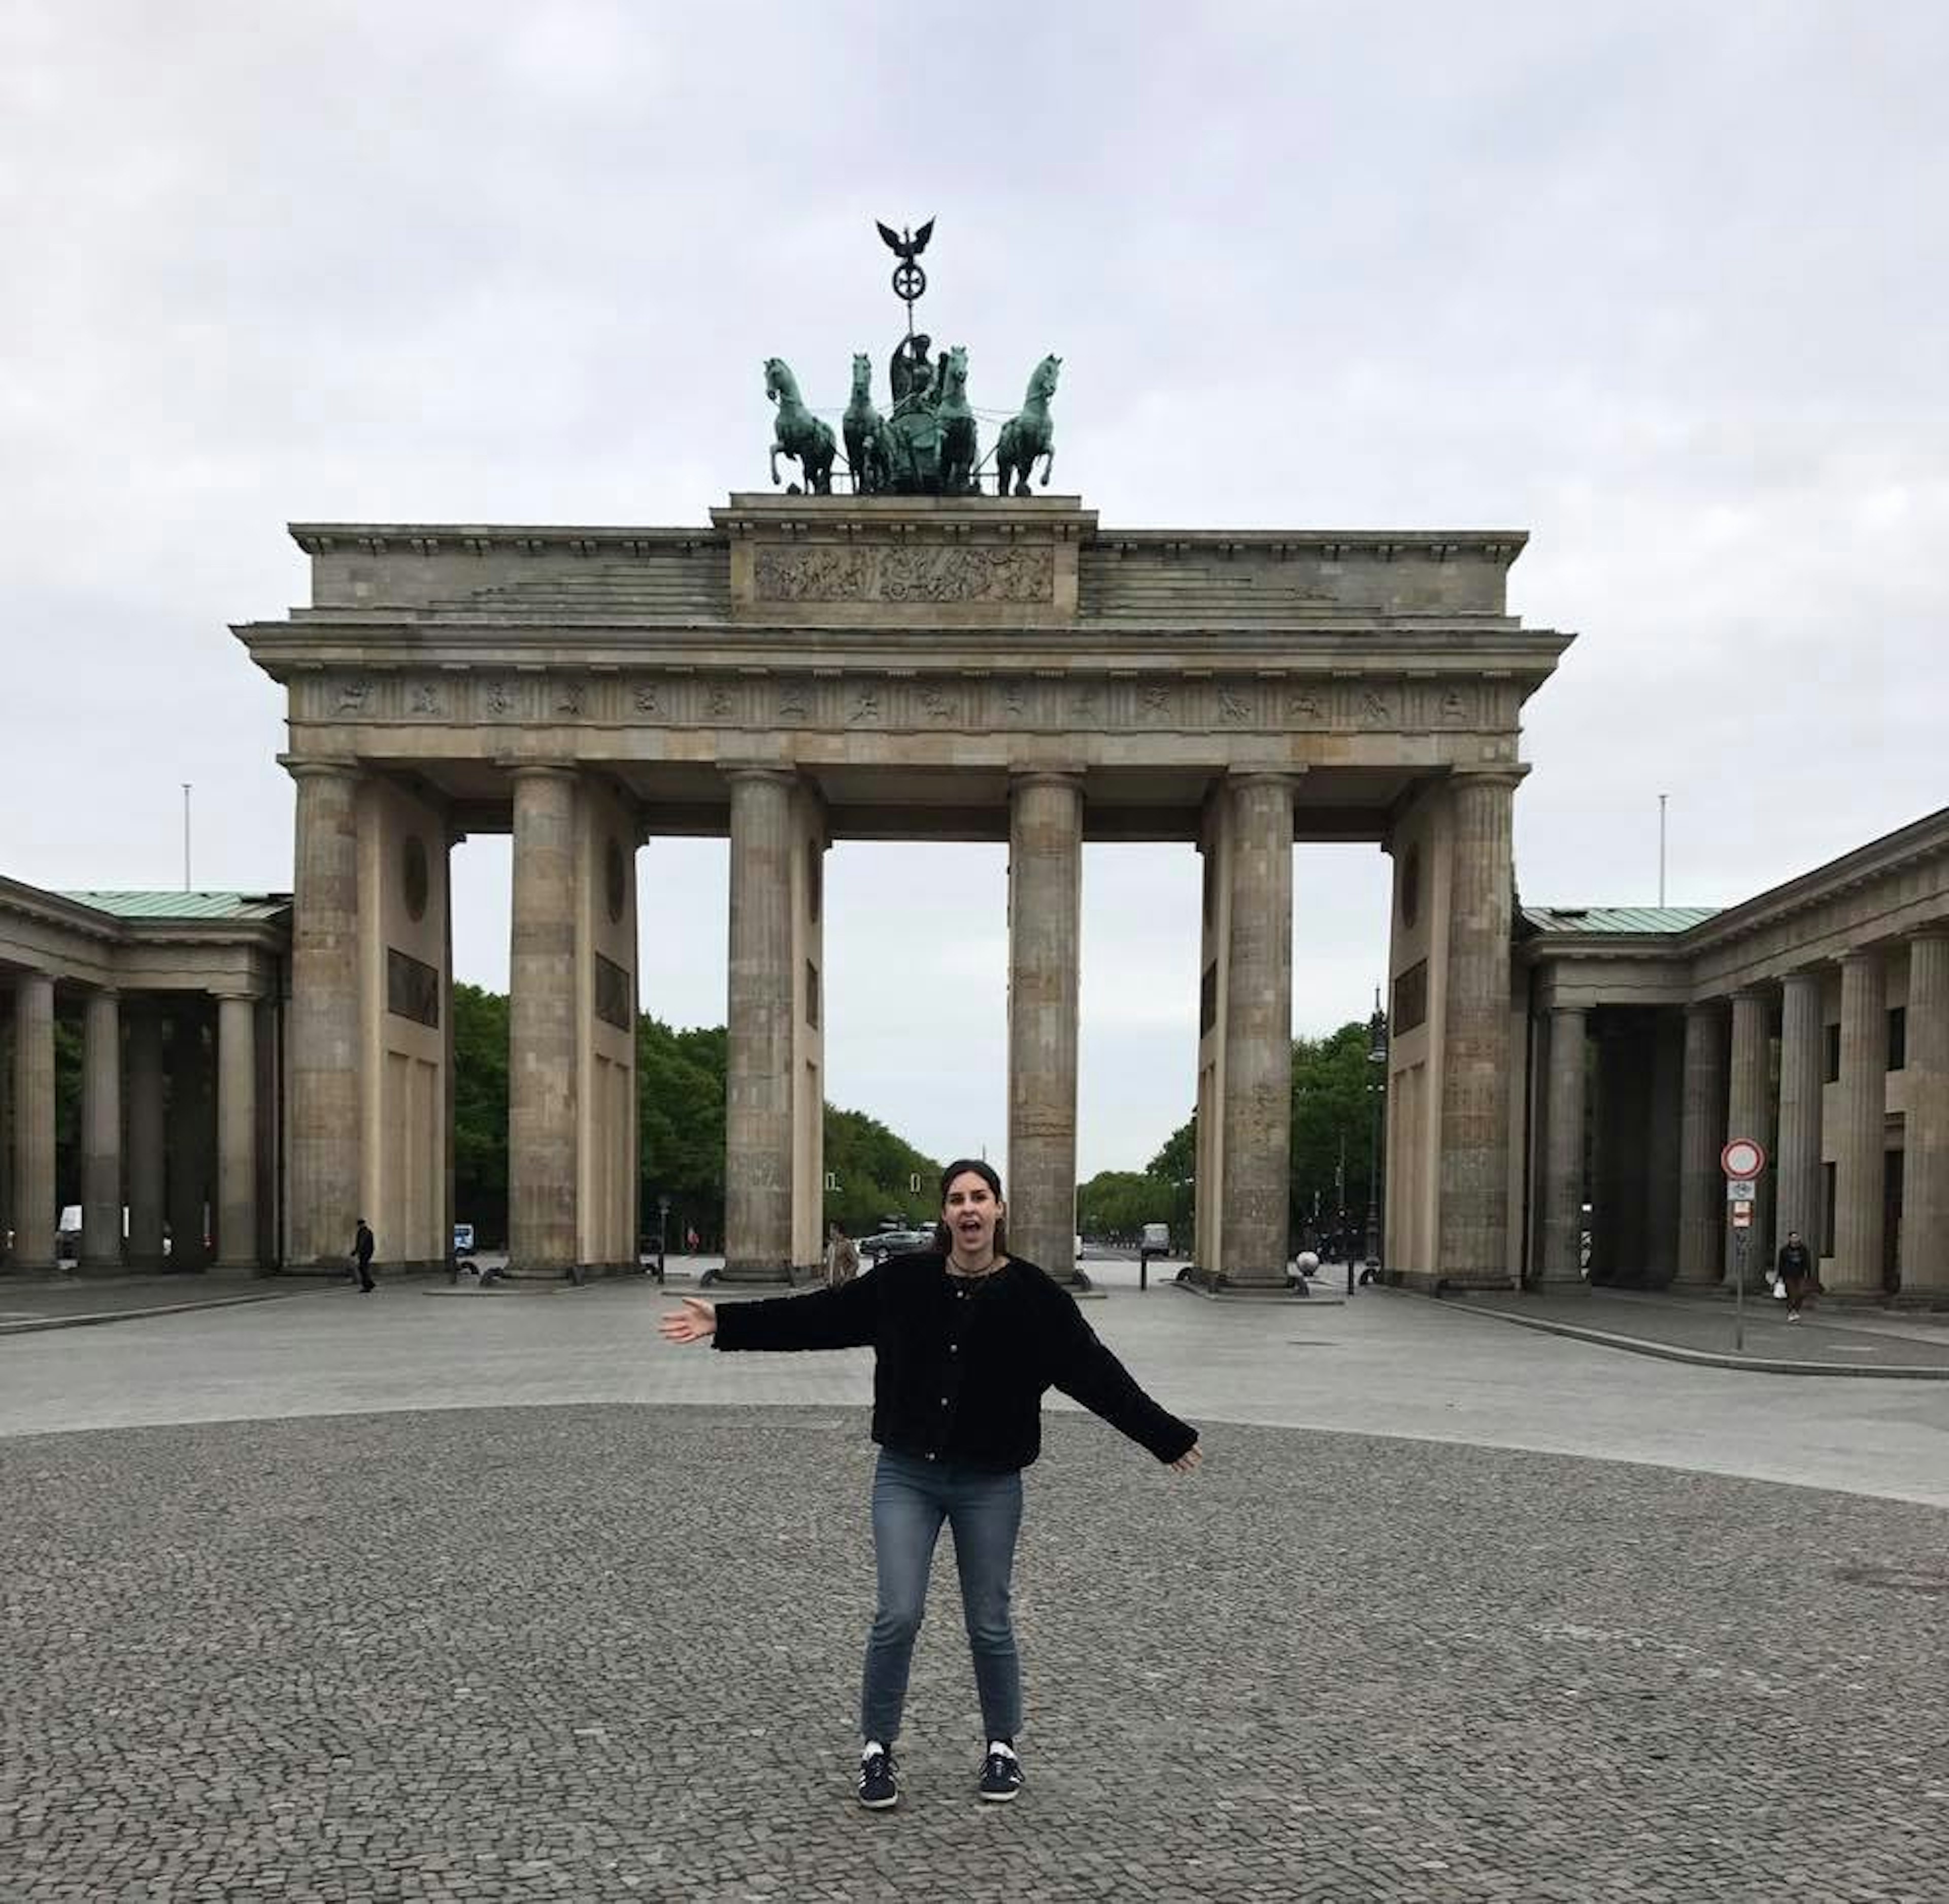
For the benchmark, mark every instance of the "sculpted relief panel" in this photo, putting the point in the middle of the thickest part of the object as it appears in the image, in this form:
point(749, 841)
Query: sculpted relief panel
point(824, 573)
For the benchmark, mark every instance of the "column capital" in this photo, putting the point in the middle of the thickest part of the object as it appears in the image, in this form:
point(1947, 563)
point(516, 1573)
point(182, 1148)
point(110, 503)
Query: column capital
point(1933, 934)
point(1568, 1010)
point(319, 766)
point(1490, 773)
point(1289, 776)
point(1033, 776)
point(1860, 955)
point(1712, 1007)
point(537, 769)
point(750, 771)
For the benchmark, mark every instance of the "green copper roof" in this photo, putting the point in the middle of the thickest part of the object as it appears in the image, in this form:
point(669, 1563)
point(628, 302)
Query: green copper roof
point(1616, 918)
point(184, 905)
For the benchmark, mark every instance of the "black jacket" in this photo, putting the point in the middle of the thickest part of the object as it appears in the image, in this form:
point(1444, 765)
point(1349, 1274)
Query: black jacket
point(959, 1367)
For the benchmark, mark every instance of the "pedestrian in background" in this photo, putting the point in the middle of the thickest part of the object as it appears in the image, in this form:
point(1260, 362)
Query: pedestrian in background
point(966, 1338)
point(842, 1256)
point(363, 1246)
point(1797, 1269)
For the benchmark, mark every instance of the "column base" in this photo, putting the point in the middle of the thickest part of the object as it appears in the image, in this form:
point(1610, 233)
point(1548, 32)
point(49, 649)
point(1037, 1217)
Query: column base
point(762, 1275)
point(1455, 1282)
point(1237, 1283)
point(101, 1266)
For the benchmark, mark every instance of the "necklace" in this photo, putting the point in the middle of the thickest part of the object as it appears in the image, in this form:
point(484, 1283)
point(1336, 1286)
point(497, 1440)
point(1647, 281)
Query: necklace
point(971, 1276)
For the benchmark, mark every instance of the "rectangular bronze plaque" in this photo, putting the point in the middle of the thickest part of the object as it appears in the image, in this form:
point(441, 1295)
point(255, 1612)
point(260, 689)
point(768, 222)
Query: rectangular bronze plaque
point(412, 988)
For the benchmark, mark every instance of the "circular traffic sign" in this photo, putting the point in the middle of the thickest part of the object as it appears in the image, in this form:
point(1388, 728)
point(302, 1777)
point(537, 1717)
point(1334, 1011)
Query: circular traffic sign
point(1742, 1157)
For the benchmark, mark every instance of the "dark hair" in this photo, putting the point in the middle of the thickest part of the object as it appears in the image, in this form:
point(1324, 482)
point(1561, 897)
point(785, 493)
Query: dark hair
point(989, 1174)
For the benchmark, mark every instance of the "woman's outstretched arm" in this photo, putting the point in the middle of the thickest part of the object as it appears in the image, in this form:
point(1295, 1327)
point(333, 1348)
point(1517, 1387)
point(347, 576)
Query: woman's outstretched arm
point(694, 1322)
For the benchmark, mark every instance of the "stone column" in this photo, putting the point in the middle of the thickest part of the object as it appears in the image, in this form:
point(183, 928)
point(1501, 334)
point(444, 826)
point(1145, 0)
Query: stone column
point(541, 1027)
point(189, 1135)
point(1747, 1105)
point(1860, 1145)
point(1472, 1246)
point(1044, 924)
point(1662, 1151)
point(1563, 1149)
point(145, 1134)
point(1797, 1176)
point(237, 1132)
point(102, 1134)
point(1701, 1186)
point(758, 1067)
point(326, 1111)
point(1925, 1252)
point(1257, 1084)
point(34, 1212)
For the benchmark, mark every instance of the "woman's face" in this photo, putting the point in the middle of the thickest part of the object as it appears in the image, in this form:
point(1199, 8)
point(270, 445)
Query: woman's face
point(971, 1211)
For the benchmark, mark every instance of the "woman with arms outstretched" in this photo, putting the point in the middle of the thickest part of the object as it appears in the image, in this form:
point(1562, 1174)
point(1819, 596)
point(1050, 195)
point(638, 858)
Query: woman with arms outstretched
point(966, 1338)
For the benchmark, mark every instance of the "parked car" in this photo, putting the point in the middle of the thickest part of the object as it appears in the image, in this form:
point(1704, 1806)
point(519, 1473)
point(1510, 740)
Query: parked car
point(885, 1243)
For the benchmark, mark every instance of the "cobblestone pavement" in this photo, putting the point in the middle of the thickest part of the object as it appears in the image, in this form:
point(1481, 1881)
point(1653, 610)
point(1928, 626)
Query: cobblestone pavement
point(608, 1652)
point(1832, 1339)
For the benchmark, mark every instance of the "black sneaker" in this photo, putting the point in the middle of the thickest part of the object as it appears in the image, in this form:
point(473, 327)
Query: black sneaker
point(1001, 1773)
point(879, 1778)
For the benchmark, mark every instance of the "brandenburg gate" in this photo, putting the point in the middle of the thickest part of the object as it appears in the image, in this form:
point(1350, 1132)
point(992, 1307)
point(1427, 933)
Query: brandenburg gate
point(809, 669)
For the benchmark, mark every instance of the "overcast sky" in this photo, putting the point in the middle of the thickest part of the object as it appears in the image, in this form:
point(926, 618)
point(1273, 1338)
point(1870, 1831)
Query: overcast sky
point(1664, 285)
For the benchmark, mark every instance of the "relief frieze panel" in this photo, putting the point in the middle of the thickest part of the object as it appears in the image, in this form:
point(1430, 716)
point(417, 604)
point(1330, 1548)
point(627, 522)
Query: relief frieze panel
point(825, 572)
point(756, 699)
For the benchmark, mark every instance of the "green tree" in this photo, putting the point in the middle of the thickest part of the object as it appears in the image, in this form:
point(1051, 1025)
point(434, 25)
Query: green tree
point(480, 1112)
point(875, 1171)
point(680, 1126)
point(1332, 1107)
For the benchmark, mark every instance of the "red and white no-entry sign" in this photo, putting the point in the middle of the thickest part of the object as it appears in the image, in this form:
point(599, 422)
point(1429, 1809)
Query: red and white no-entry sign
point(1742, 1157)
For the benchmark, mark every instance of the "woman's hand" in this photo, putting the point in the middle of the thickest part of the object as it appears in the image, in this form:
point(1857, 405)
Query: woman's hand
point(1186, 1461)
point(693, 1322)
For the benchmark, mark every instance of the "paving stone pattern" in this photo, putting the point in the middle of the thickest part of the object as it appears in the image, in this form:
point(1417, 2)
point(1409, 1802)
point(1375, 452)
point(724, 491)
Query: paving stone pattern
point(610, 1652)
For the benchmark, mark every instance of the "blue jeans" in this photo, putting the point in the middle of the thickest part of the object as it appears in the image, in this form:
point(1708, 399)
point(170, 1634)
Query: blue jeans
point(911, 1498)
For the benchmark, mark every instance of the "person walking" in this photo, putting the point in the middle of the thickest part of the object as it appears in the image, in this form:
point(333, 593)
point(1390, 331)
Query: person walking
point(363, 1246)
point(966, 1339)
point(1797, 1269)
point(842, 1256)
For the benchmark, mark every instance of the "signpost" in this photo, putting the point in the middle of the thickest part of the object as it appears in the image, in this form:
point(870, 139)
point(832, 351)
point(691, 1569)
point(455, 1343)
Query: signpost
point(1742, 1161)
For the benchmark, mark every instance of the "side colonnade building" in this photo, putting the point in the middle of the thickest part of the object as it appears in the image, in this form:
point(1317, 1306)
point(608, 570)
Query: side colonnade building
point(179, 998)
point(1814, 1017)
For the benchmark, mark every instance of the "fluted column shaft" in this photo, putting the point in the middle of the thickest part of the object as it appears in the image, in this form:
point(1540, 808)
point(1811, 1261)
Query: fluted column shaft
point(146, 1136)
point(1701, 1192)
point(1746, 1106)
point(1797, 1180)
point(542, 1026)
point(236, 1133)
point(1258, 1087)
point(758, 1065)
point(1563, 1146)
point(34, 1214)
point(1859, 1148)
point(1925, 1221)
point(101, 1133)
point(1044, 925)
point(326, 1112)
point(1473, 1248)
point(189, 1134)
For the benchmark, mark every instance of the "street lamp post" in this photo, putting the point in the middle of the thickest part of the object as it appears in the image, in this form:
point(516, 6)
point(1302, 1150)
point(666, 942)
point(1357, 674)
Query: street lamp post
point(1377, 1086)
